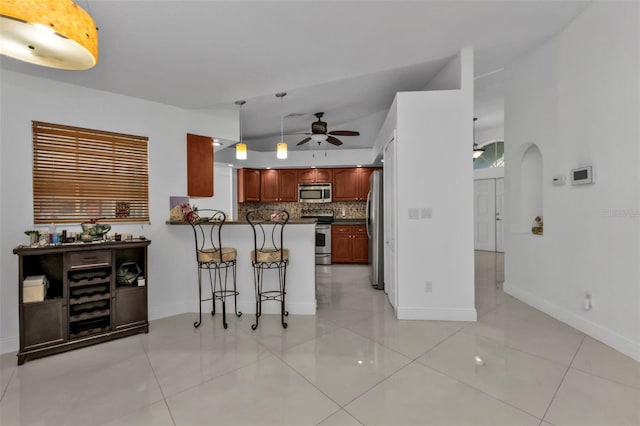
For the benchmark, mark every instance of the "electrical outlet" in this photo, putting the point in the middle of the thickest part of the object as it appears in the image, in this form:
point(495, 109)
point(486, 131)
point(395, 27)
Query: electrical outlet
point(428, 286)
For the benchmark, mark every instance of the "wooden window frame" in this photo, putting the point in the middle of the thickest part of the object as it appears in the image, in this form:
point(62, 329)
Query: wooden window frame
point(81, 174)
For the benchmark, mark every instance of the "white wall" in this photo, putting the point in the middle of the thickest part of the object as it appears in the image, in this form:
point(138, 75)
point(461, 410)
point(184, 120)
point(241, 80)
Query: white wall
point(26, 98)
point(489, 135)
point(449, 77)
point(306, 158)
point(435, 172)
point(577, 98)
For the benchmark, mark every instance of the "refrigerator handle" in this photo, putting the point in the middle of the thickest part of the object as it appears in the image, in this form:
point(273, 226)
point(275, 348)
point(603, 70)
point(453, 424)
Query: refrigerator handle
point(368, 213)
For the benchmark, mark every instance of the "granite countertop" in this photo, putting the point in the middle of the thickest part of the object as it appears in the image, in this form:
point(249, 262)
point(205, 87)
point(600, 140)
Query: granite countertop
point(350, 220)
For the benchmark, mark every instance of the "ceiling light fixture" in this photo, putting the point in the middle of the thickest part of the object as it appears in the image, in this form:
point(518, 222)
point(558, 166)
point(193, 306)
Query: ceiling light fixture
point(318, 137)
point(477, 152)
point(281, 152)
point(241, 148)
point(51, 33)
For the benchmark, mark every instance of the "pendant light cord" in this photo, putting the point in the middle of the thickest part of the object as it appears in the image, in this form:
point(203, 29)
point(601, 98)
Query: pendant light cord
point(240, 103)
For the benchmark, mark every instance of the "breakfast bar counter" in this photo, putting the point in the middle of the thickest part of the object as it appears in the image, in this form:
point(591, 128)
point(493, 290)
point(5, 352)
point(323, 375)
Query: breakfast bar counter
point(299, 238)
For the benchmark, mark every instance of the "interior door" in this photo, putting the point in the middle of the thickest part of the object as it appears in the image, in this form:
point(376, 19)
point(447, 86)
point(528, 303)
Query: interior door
point(390, 229)
point(500, 215)
point(484, 207)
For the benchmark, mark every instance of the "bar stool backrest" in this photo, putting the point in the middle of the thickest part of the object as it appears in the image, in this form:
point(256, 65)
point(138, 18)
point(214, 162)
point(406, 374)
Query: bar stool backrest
point(207, 224)
point(268, 231)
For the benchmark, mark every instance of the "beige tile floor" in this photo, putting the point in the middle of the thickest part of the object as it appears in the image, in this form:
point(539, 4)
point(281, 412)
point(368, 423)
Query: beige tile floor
point(352, 364)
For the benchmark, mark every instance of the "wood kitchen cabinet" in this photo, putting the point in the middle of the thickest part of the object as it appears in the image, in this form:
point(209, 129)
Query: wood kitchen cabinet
point(351, 184)
point(94, 295)
point(349, 244)
point(279, 185)
point(199, 166)
point(248, 185)
point(315, 175)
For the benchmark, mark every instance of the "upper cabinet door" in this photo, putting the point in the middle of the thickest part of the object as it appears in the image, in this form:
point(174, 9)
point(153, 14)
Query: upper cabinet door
point(351, 184)
point(269, 190)
point(288, 185)
point(199, 166)
point(315, 175)
point(324, 175)
point(345, 184)
point(306, 175)
point(364, 176)
point(248, 185)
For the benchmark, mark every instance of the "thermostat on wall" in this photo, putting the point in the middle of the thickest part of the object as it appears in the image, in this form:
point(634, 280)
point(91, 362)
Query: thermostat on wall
point(582, 175)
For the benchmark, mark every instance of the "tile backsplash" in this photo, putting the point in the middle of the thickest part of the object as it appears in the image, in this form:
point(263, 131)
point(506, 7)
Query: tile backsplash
point(352, 209)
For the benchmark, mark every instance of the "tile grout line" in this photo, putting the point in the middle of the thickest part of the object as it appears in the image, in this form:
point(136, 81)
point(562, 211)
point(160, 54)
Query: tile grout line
point(480, 390)
point(470, 333)
point(164, 398)
point(13, 372)
point(563, 378)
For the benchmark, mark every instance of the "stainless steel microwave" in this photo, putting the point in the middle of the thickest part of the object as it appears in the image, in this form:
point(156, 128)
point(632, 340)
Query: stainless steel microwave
point(314, 192)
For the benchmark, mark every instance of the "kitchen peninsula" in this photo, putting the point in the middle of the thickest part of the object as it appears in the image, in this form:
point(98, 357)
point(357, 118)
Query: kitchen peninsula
point(299, 237)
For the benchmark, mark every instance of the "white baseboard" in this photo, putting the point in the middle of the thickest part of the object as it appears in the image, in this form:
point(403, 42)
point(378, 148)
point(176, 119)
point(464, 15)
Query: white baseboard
point(598, 332)
point(9, 344)
point(438, 314)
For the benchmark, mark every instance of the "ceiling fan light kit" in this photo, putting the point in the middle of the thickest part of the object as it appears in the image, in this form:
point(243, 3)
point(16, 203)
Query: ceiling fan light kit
point(319, 133)
point(281, 147)
point(477, 152)
point(51, 33)
point(241, 148)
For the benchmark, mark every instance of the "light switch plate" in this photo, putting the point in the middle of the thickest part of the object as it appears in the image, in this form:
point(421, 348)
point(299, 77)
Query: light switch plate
point(426, 213)
point(414, 213)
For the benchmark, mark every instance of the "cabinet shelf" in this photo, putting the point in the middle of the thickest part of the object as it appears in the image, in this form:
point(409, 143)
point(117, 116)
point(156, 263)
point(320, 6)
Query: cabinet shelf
point(91, 298)
point(87, 282)
point(89, 315)
point(89, 328)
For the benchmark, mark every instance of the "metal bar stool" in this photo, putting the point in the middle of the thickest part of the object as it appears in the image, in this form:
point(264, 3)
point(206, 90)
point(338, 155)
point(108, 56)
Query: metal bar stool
point(217, 260)
point(269, 253)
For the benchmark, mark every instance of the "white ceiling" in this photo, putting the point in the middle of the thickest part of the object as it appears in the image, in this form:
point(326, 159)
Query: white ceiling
point(345, 58)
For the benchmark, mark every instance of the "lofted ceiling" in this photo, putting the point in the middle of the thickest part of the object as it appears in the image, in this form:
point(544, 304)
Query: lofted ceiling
point(345, 58)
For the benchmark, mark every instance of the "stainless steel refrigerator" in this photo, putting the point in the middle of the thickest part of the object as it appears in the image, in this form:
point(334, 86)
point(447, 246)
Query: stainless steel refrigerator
point(375, 230)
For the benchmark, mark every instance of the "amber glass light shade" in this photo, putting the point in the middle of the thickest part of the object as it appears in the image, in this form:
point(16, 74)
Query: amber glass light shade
point(281, 152)
point(241, 151)
point(51, 33)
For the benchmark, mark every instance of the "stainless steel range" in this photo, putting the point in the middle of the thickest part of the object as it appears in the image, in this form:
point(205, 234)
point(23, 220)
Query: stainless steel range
point(323, 234)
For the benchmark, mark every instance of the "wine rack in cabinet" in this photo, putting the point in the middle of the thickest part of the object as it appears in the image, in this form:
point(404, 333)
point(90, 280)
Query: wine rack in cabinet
point(94, 293)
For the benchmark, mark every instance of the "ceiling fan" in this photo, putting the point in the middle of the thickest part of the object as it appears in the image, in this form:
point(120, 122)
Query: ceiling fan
point(319, 132)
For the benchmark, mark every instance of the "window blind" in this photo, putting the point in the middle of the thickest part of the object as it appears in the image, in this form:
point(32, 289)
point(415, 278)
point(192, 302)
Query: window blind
point(81, 174)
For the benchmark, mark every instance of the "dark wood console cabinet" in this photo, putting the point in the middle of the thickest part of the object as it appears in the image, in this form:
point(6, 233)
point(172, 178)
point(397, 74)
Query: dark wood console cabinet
point(86, 303)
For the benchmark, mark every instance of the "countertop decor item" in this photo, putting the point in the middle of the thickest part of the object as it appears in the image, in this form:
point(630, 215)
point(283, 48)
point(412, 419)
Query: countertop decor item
point(538, 226)
point(33, 236)
point(93, 231)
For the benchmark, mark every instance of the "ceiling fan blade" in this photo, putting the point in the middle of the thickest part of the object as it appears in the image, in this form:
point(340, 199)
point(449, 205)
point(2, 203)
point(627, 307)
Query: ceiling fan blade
point(305, 140)
point(298, 133)
point(334, 141)
point(344, 133)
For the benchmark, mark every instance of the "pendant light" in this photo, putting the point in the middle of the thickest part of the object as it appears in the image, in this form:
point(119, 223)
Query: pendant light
point(241, 148)
point(51, 33)
point(477, 152)
point(281, 150)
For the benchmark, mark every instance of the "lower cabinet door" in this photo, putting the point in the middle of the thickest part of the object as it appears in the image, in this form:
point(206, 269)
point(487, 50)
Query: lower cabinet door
point(360, 245)
point(45, 323)
point(130, 306)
